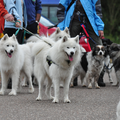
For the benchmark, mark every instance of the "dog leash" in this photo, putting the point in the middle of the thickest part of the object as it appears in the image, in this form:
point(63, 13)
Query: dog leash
point(30, 33)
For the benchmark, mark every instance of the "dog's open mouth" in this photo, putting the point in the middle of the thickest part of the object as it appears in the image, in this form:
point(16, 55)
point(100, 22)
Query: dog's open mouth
point(70, 57)
point(9, 54)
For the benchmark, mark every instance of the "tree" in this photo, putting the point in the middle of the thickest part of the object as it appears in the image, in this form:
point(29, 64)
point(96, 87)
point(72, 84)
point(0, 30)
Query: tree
point(111, 15)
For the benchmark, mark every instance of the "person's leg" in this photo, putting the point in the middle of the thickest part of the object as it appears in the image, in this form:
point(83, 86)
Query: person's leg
point(32, 28)
point(75, 30)
point(20, 36)
point(95, 40)
point(9, 31)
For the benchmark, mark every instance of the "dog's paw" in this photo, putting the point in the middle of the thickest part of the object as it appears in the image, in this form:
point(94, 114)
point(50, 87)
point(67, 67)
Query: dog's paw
point(50, 97)
point(83, 85)
point(90, 86)
point(55, 100)
point(1, 92)
point(31, 90)
point(12, 93)
point(71, 85)
point(67, 101)
point(38, 98)
point(24, 85)
point(97, 87)
point(111, 81)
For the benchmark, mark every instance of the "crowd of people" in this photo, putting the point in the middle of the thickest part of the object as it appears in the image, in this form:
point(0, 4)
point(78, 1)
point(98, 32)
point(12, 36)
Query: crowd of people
point(70, 13)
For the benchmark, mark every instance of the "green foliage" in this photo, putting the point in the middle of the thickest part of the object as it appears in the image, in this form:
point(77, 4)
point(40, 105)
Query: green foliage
point(111, 15)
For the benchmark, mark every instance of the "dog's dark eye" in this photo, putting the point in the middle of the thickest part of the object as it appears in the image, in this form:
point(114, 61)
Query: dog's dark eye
point(68, 47)
point(7, 45)
point(12, 45)
point(73, 47)
point(60, 37)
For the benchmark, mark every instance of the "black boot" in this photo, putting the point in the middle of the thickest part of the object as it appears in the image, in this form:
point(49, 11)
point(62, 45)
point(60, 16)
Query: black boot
point(75, 82)
point(100, 80)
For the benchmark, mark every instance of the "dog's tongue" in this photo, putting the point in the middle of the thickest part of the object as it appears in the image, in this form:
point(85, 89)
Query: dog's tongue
point(9, 55)
point(70, 58)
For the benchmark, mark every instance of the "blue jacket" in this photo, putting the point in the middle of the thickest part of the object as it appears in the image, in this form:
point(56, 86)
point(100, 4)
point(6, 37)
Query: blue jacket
point(33, 7)
point(15, 7)
point(89, 7)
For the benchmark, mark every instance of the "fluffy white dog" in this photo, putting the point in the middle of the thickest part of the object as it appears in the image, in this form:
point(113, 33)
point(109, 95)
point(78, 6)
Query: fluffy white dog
point(56, 63)
point(14, 60)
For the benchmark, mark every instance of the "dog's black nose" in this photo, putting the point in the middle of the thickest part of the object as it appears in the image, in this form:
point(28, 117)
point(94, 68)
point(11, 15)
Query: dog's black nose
point(72, 53)
point(11, 51)
point(100, 53)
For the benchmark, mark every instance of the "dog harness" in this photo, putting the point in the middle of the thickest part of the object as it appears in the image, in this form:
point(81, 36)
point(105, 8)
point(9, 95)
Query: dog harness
point(50, 61)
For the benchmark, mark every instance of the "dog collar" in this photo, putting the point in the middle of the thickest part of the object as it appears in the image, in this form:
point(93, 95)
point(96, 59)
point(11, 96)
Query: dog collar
point(107, 67)
point(50, 61)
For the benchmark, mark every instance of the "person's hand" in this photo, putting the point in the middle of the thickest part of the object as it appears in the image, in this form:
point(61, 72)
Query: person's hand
point(101, 34)
point(9, 17)
point(18, 23)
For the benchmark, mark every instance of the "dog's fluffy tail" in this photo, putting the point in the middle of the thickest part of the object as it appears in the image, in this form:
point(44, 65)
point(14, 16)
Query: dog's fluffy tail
point(33, 38)
point(118, 111)
point(44, 43)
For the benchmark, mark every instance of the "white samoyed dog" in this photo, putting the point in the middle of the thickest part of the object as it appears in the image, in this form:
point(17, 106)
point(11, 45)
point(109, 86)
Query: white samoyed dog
point(15, 59)
point(55, 36)
point(56, 63)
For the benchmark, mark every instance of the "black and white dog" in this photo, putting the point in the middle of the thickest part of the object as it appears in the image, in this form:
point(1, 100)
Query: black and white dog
point(108, 64)
point(90, 66)
point(114, 52)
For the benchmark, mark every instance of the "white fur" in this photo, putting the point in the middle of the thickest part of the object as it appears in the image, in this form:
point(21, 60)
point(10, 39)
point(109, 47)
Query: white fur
point(118, 111)
point(58, 34)
point(55, 36)
point(13, 65)
point(61, 70)
point(108, 67)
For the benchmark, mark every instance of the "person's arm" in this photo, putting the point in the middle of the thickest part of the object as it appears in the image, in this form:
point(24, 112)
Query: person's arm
point(38, 10)
point(62, 8)
point(4, 13)
point(60, 12)
point(99, 8)
point(8, 17)
point(11, 8)
point(99, 13)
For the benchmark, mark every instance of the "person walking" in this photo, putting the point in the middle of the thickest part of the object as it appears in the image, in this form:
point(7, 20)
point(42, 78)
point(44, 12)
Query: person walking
point(73, 13)
point(34, 9)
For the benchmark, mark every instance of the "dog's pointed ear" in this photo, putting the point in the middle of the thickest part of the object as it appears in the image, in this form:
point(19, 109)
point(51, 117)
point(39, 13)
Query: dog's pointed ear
point(5, 37)
point(64, 39)
point(14, 37)
point(67, 30)
point(77, 39)
point(57, 30)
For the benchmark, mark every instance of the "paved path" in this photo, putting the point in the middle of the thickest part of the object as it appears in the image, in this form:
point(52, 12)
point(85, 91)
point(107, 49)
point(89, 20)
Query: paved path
point(86, 104)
